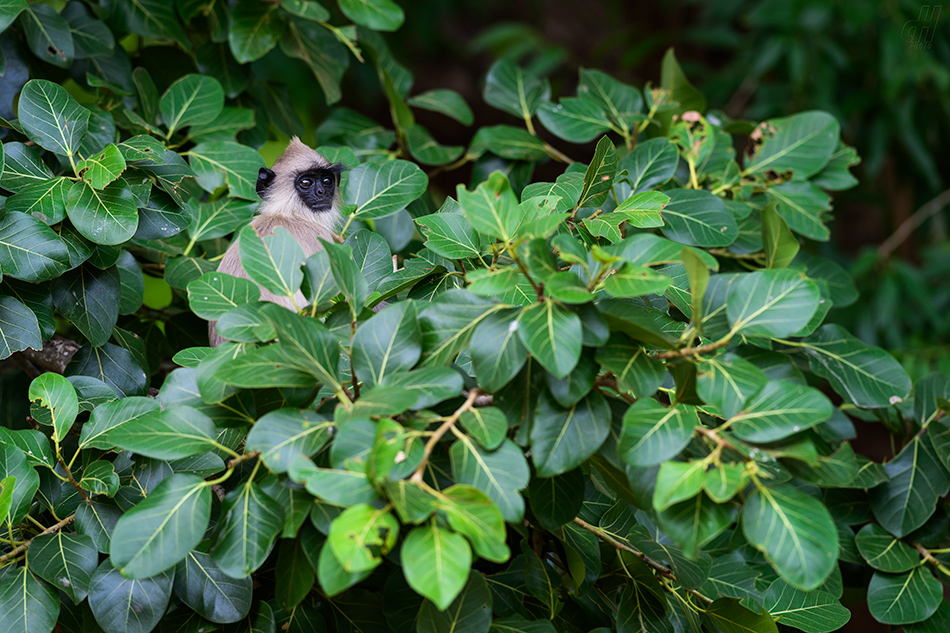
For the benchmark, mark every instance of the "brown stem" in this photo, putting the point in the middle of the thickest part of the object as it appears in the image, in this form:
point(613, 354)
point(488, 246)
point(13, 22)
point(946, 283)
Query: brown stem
point(538, 290)
point(930, 558)
point(693, 351)
point(54, 356)
point(661, 569)
point(439, 432)
point(909, 225)
point(71, 479)
point(50, 530)
point(243, 458)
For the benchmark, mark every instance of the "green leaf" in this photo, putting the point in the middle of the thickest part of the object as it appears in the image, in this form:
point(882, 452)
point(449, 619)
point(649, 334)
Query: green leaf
point(361, 534)
point(563, 438)
point(574, 119)
point(250, 521)
point(552, 335)
point(100, 478)
point(104, 216)
point(621, 102)
point(802, 143)
point(803, 206)
point(45, 200)
point(272, 261)
point(730, 616)
point(22, 166)
point(698, 218)
point(651, 163)
point(57, 395)
point(436, 563)
point(160, 531)
point(379, 15)
point(111, 364)
point(306, 9)
point(225, 163)
point(110, 415)
point(904, 598)
point(89, 298)
point(867, 376)
point(427, 150)
point(327, 58)
point(27, 605)
point(103, 168)
point(431, 384)
point(381, 189)
point(500, 473)
point(686, 96)
point(883, 552)
point(13, 463)
point(488, 425)
point(443, 101)
point(497, 352)
point(193, 99)
point(694, 522)
point(372, 255)
point(20, 327)
point(173, 433)
point(91, 37)
point(772, 303)
point(599, 177)
point(781, 247)
point(389, 342)
point(30, 250)
point(318, 285)
point(915, 480)
point(66, 561)
point(635, 371)
point(284, 434)
point(9, 10)
point(511, 89)
point(653, 433)
point(51, 117)
point(634, 281)
point(677, 481)
point(213, 294)
point(505, 141)
point(492, 208)
point(470, 612)
point(812, 612)
point(640, 610)
point(779, 409)
point(125, 604)
point(727, 381)
point(450, 235)
point(557, 500)
point(936, 623)
point(333, 578)
point(642, 210)
point(48, 35)
point(206, 589)
point(794, 531)
point(471, 512)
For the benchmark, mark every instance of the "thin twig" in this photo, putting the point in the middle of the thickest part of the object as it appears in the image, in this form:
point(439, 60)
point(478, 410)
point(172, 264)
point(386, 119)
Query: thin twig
point(661, 569)
point(694, 351)
point(908, 226)
point(50, 530)
point(930, 558)
point(243, 458)
point(71, 479)
point(442, 430)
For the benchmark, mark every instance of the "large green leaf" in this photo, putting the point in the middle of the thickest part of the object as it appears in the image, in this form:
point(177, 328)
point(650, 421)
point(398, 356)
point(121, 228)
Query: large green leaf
point(496, 349)
point(904, 598)
point(492, 208)
point(202, 585)
point(104, 216)
point(13, 463)
point(727, 381)
point(51, 117)
point(58, 397)
point(867, 376)
point(27, 604)
point(635, 371)
point(653, 433)
point(472, 513)
point(507, 142)
point(389, 342)
point(213, 294)
point(250, 521)
point(802, 143)
point(284, 434)
point(698, 218)
point(327, 58)
point(379, 15)
point(48, 35)
point(884, 552)
point(509, 88)
point(9, 10)
point(191, 100)
point(112, 365)
point(730, 616)
point(102, 168)
point(500, 473)
point(599, 176)
point(125, 604)
point(20, 327)
point(89, 298)
point(348, 276)
point(813, 611)
point(916, 478)
point(795, 532)
point(772, 303)
point(779, 409)
point(621, 103)
point(310, 346)
point(574, 119)
point(273, 261)
point(381, 189)
point(803, 206)
point(552, 335)
point(470, 612)
point(29, 249)
point(563, 438)
point(651, 163)
point(450, 235)
point(67, 561)
point(220, 163)
point(361, 534)
point(175, 432)
point(45, 200)
point(436, 563)
point(22, 166)
point(160, 531)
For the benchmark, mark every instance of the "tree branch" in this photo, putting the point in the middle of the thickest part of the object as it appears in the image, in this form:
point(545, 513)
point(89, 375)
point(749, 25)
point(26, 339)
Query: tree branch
point(442, 430)
point(50, 530)
point(55, 355)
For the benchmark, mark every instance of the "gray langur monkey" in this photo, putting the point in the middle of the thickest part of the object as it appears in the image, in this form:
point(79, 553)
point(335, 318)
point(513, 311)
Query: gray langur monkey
point(301, 193)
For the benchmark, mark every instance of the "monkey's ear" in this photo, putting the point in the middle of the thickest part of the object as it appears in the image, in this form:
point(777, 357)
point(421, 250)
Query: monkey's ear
point(264, 178)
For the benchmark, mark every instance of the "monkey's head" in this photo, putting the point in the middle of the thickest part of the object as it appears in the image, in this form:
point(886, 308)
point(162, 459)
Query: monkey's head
point(302, 182)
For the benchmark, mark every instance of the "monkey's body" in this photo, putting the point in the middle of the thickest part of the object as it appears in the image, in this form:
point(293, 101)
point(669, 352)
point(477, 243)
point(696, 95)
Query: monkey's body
point(301, 194)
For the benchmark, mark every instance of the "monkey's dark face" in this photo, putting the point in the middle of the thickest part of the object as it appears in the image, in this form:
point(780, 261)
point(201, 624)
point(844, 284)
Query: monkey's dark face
point(315, 186)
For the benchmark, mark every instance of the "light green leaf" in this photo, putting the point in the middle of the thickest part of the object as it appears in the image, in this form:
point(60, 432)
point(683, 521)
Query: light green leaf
point(813, 611)
point(103, 168)
point(361, 535)
point(9, 10)
point(173, 433)
point(193, 99)
point(51, 117)
point(500, 473)
point(225, 163)
point(443, 101)
point(273, 261)
point(552, 335)
point(803, 206)
point(698, 218)
point(213, 294)
point(160, 531)
point(104, 216)
point(492, 208)
point(884, 552)
point(388, 342)
point(802, 143)
point(450, 235)
point(653, 433)
point(621, 102)
point(436, 563)
point(56, 395)
point(472, 513)
point(779, 409)
point(772, 303)
point(727, 381)
point(284, 434)
point(599, 176)
point(381, 189)
point(651, 163)
point(780, 245)
point(378, 15)
point(677, 481)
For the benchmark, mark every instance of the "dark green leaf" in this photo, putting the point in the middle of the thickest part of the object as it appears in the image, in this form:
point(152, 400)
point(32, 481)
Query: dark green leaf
point(124, 604)
point(563, 438)
point(27, 604)
point(67, 561)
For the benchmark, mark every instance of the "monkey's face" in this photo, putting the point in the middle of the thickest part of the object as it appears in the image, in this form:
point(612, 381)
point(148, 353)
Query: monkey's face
point(316, 187)
point(302, 181)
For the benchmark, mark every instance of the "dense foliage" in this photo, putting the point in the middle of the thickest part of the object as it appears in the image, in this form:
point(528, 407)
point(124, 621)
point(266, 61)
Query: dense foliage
point(605, 401)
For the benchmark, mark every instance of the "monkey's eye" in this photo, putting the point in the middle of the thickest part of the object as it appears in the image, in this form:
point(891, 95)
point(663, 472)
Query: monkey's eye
point(327, 180)
point(305, 182)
